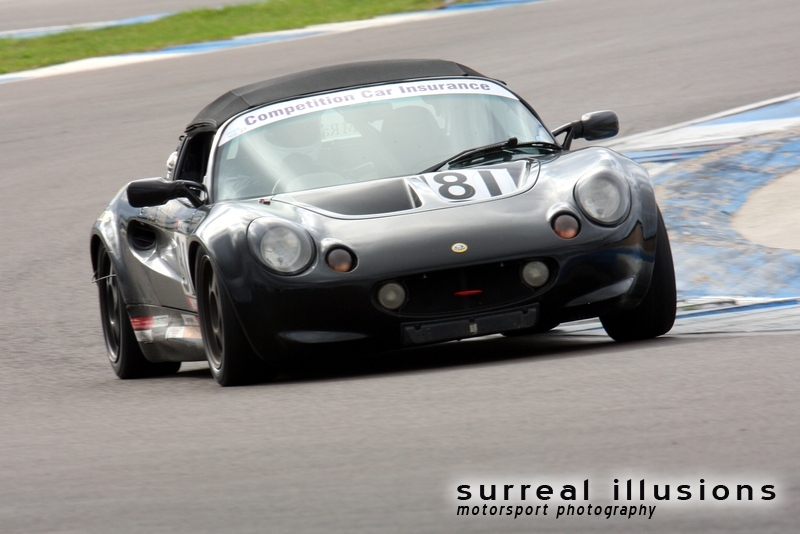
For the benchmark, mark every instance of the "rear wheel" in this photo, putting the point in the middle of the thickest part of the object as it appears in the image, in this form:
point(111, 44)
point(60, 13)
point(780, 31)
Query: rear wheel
point(230, 357)
point(655, 315)
point(124, 353)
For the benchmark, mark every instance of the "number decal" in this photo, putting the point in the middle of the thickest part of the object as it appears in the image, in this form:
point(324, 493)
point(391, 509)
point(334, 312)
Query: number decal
point(491, 183)
point(471, 184)
point(456, 188)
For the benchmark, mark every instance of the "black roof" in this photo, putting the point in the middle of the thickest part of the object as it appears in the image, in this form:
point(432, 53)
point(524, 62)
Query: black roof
point(319, 80)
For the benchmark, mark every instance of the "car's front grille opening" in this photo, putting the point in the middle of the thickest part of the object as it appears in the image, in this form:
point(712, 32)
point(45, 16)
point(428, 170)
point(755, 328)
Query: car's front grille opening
point(464, 290)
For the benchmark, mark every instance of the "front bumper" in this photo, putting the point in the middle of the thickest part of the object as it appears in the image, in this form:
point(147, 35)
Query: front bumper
point(584, 283)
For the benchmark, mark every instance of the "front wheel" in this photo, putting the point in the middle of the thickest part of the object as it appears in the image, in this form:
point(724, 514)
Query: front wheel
point(230, 357)
point(124, 353)
point(655, 314)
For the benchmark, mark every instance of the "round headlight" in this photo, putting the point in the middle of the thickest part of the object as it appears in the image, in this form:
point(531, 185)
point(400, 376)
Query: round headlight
point(603, 197)
point(283, 248)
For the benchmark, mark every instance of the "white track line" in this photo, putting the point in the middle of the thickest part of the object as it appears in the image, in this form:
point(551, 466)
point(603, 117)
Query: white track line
point(248, 40)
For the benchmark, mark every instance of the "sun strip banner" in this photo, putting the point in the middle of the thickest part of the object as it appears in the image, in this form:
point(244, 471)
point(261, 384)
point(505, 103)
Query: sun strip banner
point(301, 106)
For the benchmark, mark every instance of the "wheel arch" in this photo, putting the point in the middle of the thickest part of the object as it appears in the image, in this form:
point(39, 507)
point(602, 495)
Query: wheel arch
point(94, 247)
point(194, 249)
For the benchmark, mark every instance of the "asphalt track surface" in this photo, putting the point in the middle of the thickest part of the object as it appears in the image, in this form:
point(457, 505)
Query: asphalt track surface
point(379, 445)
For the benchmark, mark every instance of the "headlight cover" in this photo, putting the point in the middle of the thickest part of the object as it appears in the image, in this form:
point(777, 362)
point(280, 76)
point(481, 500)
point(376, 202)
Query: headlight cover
point(283, 247)
point(604, 197)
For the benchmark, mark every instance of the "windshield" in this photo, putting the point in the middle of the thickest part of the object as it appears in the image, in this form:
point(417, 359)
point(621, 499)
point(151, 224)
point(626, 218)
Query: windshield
point(364, 134)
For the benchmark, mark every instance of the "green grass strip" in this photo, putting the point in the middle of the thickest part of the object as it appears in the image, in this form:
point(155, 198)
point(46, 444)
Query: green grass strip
point(195, 26)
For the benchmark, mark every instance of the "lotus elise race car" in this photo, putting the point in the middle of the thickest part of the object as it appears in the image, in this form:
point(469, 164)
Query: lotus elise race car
point(376, 205)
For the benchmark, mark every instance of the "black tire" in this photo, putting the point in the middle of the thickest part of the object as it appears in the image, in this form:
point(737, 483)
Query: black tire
point(124, 354)
point(655, 315)
point(230, 357)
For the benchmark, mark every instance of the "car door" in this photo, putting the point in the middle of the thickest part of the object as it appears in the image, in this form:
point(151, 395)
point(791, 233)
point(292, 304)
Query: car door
point(158, 235)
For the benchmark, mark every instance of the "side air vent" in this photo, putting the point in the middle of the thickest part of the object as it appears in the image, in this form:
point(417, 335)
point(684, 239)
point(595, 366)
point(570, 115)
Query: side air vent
point(141, 236)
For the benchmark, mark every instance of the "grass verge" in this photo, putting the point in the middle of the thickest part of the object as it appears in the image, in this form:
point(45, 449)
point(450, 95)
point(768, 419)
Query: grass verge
point(195, 26)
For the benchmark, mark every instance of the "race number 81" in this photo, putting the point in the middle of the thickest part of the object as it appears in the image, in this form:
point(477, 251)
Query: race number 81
point(472, 185)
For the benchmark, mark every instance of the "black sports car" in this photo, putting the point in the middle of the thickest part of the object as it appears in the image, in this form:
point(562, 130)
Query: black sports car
point(376, 205)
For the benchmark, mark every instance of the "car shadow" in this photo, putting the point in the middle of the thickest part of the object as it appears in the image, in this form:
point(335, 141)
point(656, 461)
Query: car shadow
point(490, 350)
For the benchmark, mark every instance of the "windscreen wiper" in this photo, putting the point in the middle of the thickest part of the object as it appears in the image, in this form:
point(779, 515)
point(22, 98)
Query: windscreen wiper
point(471, 153)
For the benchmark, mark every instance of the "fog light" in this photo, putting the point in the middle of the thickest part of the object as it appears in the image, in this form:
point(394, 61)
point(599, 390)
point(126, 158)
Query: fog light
point(391, 296)
point(340, 260)
point(566, 226)
point(535, 274)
